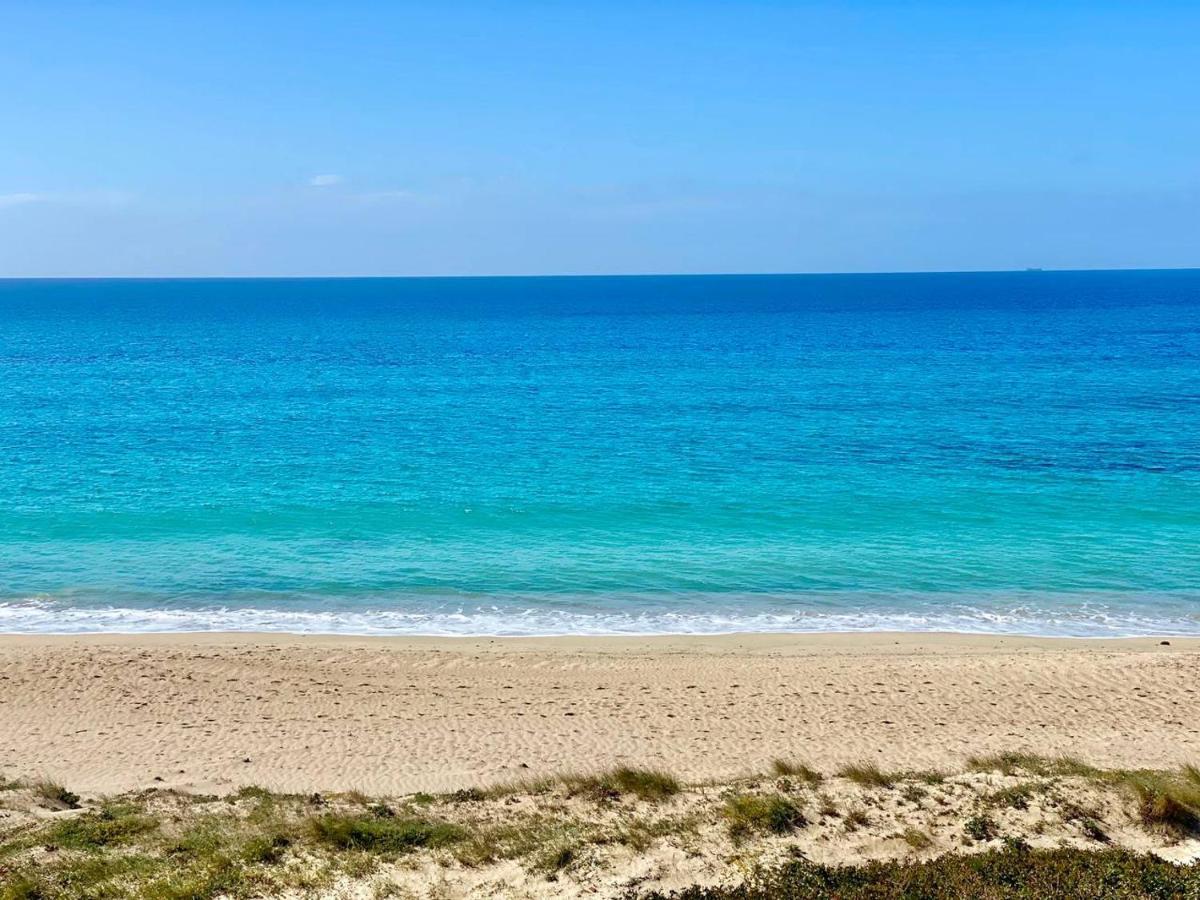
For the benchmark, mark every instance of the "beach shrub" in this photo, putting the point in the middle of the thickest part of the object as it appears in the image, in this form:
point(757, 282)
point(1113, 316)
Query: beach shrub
point(1093, 829)
point(981, 828)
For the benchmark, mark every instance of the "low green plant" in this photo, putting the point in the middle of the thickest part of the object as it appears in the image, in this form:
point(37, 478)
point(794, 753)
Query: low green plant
point(109, 826)
point(1016, 796)
point(1014, 872)
point(981, 828)
point(746, 814)
point(382, 835)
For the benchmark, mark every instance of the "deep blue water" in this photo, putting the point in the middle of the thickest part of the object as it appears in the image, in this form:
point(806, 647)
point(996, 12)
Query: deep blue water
point(1009, 452)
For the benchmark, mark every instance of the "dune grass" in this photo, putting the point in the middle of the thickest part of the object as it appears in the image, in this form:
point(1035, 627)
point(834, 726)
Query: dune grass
point(55, 796)
point(916, 838)
point(805, 774)
point(1012, 763)
point(1167, 804)
point(382, 834)
point(746, 814)
point(167, 845)
point(868, 775)
point(1012, 873)
point(645, 784)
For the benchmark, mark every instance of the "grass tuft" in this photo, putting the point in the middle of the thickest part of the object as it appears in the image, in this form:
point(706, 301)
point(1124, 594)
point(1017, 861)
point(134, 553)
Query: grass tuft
point(789, 769)
point(1166, 806)
point(1015, 797)
point(855, 819)
point(748, 814)
point(55, 796)
point(868, 775)
point(916, 838)
point(556, 859)
point(645, 784)
point(1012, 763)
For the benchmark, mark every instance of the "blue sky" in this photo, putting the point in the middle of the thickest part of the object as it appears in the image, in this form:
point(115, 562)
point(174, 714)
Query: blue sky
point(298, 138)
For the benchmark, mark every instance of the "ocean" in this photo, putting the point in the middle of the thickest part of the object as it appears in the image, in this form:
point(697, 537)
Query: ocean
point(992, 452)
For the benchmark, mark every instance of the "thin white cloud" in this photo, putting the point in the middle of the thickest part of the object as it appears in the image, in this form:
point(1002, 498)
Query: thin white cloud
point(66, 198)
point(19, 199)
point(325, 180)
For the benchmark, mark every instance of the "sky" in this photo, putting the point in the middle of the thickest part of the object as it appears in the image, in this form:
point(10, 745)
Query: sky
point(362, 138)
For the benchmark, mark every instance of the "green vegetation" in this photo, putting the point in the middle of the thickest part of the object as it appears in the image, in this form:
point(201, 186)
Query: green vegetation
point(1014, 763)
point(868, 775)
point(1015, 797)
point(790, 769)
point(1166, 801)
point(1013, 873)
point(555, 859)
point(916, 838)
point(645, 784)
point(773, 814)
point(382, 835)
point(169, 845)
point(855, 819)
point(55, 796)
point(981, 828)
point(1171, 805)
point(110, 826)
point(1093, 829)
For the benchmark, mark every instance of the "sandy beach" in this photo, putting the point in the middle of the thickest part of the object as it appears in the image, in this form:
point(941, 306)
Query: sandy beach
point(212, 712)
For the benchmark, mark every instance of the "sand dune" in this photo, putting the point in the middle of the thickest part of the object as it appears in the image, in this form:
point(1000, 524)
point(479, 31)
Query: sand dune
point(217, 711)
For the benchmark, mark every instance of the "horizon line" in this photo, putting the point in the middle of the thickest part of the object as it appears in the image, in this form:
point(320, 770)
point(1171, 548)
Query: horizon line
point(1032, 270)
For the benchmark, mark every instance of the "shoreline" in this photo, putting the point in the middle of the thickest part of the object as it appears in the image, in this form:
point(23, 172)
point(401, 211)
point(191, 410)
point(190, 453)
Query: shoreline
point(633, 636)
point(216, 711)
point(799, 640)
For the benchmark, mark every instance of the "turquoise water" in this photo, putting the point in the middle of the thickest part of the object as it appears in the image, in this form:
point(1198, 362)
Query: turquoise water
point(978, 452)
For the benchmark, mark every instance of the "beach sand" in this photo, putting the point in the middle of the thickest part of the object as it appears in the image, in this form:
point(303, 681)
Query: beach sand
point(212, 712)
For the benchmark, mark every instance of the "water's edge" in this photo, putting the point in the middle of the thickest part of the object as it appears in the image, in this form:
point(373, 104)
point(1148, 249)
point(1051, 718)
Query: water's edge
point(1043, 617)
